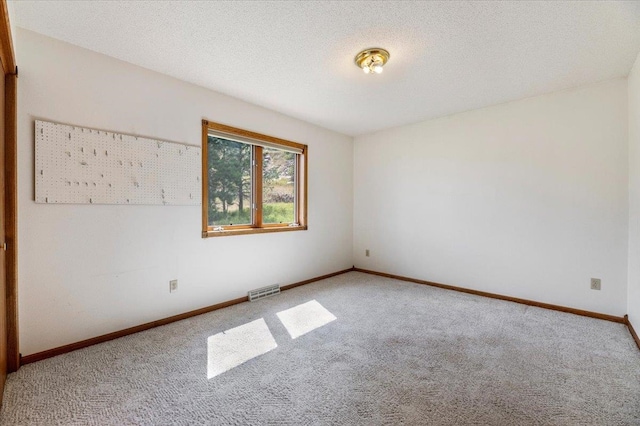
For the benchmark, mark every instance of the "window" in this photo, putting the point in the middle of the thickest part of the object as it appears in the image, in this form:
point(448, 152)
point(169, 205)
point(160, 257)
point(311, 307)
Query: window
point(251, 182)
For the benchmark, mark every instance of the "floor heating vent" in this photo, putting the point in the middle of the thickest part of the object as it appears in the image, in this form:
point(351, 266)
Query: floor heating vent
point(261, 293)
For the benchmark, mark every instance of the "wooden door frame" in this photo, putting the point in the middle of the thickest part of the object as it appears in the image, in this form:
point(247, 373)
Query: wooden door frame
point(7, 57)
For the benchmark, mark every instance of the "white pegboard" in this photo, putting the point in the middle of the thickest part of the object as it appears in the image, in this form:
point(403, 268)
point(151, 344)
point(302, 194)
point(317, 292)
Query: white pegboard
point(76, 165)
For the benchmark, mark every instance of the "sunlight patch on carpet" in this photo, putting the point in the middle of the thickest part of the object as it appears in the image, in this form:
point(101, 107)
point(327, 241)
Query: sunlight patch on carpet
point(304, 318)
point(238, 345)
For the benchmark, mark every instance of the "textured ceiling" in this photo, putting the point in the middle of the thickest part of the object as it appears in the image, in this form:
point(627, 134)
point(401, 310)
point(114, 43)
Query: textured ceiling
point(297, 57)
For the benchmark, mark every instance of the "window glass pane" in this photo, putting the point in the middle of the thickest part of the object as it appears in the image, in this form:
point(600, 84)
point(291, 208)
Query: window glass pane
point(229, 182)
point(278, 186)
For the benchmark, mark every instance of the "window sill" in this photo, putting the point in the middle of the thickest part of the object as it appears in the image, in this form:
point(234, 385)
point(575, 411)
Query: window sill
point(207, 234)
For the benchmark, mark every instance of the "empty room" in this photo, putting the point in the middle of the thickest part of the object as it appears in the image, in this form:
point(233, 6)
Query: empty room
point(320, 213)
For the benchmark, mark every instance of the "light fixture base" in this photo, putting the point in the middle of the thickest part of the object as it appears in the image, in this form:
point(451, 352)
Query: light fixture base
point(372, 60)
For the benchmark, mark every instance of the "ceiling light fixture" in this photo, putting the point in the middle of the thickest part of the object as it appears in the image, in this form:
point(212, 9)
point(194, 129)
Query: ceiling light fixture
point(372, 60)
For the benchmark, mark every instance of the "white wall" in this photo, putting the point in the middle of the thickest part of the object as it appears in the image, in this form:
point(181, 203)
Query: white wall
point(86, 270)
point(633, 298)
point(527, 199)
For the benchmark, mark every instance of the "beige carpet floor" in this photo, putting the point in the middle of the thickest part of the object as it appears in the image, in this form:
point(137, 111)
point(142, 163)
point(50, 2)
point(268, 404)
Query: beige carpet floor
point(367, 351)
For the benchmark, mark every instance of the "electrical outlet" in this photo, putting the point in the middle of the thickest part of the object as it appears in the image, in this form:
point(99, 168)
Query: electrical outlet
point(173, 286)
point(595, 283)
point(366, 252)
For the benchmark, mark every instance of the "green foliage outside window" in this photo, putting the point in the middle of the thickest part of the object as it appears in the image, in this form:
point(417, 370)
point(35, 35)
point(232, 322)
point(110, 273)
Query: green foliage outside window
point(278, 186)
point(229, 174)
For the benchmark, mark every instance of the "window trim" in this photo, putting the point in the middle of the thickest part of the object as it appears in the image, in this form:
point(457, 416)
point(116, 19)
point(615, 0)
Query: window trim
point(259, 141)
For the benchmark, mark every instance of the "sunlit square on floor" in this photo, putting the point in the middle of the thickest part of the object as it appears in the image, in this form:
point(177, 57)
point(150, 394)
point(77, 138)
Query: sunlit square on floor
point(237, 345)
point(304, 318)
